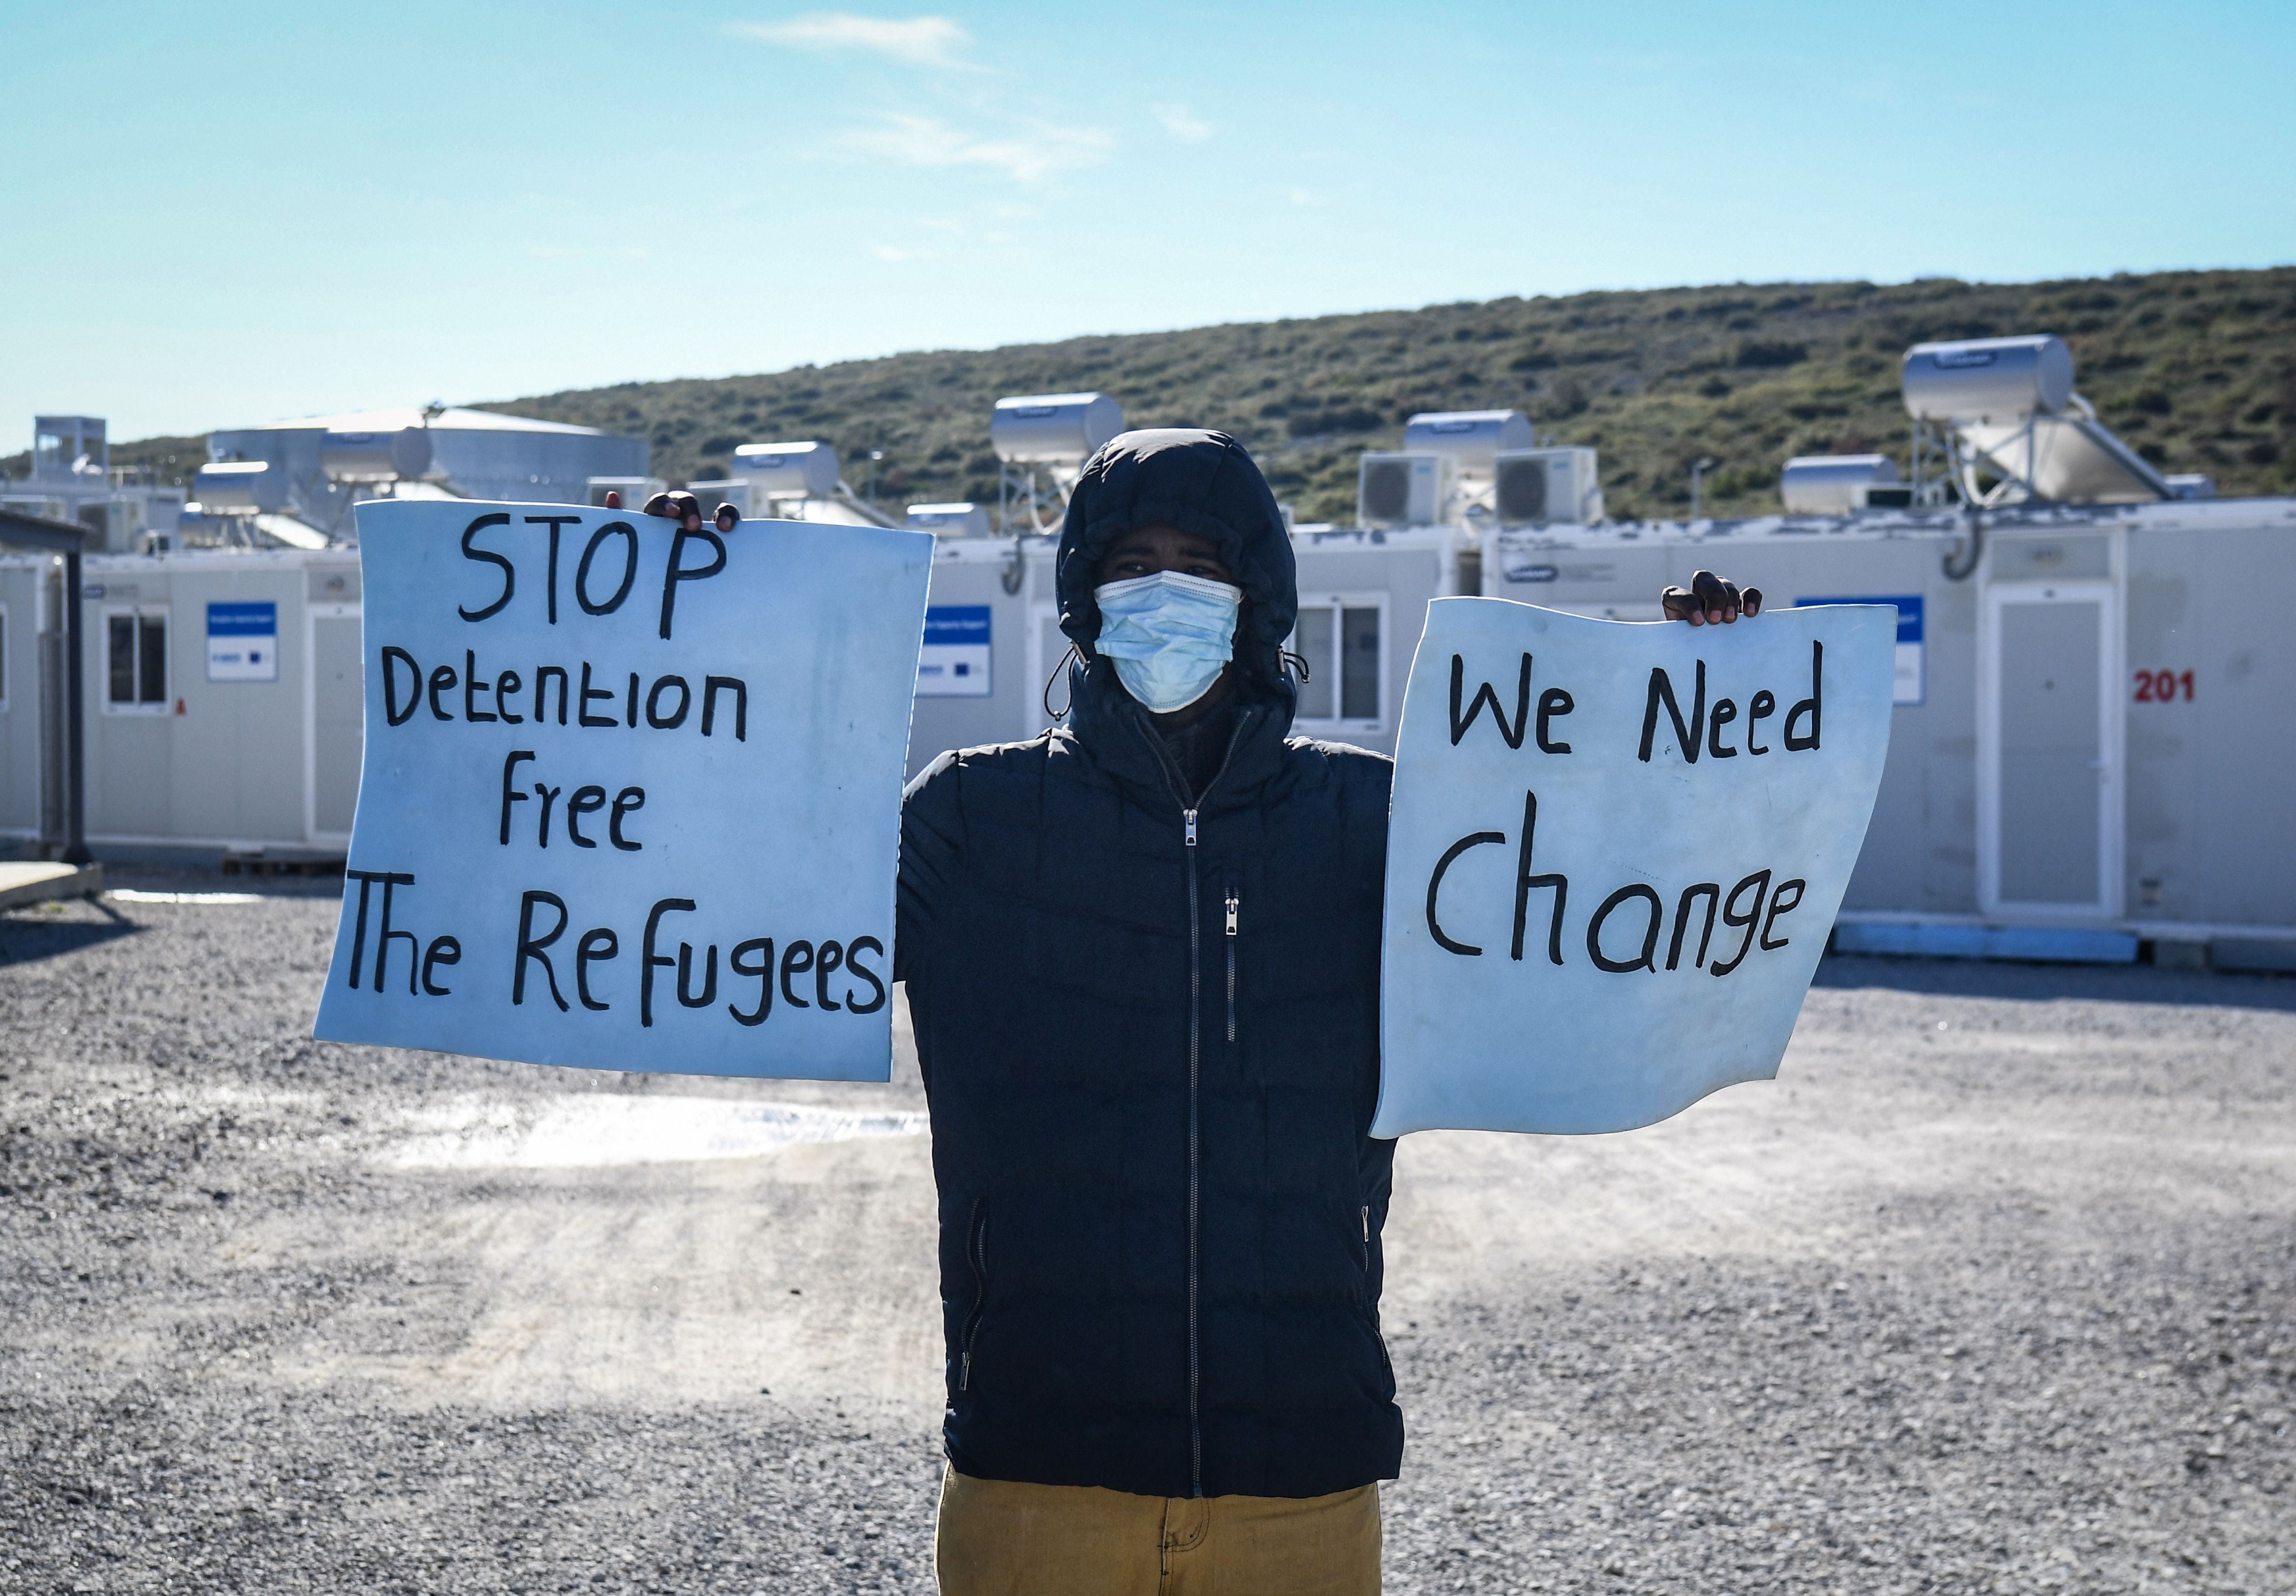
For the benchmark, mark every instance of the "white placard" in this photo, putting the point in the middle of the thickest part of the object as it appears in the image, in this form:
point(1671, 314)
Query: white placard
point(1615, 853)
point(631, 796)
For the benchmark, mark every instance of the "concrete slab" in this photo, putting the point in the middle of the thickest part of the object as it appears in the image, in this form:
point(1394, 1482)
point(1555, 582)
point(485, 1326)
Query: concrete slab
point(40, 883)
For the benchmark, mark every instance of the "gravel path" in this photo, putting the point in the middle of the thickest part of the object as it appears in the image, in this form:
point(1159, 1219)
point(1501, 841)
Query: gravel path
point(1993, 1290)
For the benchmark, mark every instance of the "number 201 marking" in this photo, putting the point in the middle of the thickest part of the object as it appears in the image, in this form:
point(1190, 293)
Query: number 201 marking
point(2160, 686)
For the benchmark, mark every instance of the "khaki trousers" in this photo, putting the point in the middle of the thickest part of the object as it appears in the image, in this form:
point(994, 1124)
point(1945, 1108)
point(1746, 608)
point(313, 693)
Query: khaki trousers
point(999, 1538)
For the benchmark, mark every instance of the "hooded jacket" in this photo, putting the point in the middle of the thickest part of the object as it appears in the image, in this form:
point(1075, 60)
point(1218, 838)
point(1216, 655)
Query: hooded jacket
point(1149, 1032)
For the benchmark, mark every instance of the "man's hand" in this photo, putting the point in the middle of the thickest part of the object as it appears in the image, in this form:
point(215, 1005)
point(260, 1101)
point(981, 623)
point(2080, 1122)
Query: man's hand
point(1711, 601)
point(684, 509)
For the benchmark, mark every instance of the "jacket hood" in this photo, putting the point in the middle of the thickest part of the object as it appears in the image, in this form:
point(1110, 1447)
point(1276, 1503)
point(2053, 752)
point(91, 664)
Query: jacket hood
point(1205, 483)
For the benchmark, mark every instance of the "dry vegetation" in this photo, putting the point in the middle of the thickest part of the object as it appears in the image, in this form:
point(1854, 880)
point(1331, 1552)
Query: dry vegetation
point(2196, 368)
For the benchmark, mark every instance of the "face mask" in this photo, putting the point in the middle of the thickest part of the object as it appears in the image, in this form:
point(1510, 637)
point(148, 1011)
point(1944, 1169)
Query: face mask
point(1169, 635)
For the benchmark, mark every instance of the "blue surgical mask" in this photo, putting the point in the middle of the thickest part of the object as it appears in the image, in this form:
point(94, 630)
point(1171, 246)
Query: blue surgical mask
point(1168, 634)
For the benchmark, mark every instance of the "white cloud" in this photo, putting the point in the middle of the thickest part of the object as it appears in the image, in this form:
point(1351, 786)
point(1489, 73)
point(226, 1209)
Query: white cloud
point(1184, 124)
point(920, 41)
point(1025, 158)
point(1306, 197)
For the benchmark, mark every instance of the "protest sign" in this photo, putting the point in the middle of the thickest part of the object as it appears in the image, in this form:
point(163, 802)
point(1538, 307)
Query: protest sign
point(1615, 855)
point(631, 796)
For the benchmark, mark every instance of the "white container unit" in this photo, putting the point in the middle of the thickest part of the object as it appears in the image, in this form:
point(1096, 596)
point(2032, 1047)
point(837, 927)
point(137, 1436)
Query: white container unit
point(223, 709)
point(2075, 765)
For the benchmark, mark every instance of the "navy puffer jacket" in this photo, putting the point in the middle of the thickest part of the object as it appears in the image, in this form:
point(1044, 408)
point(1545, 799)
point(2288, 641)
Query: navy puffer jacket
point(1150, 1037)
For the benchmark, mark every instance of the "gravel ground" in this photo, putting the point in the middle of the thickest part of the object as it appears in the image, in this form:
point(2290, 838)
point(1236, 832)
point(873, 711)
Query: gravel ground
point(1993, 1290)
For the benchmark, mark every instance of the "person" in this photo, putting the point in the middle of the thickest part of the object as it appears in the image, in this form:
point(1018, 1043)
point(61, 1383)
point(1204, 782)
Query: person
point(1142, 956)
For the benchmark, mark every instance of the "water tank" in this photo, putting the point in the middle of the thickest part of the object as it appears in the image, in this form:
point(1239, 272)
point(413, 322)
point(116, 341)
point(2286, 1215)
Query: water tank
point(1053, 429)
point(1832, 484)
point(402, 454)
point(1987, 379)
point(950, 521)
point(1471, 438)
point(241, 488)
point(787, 468)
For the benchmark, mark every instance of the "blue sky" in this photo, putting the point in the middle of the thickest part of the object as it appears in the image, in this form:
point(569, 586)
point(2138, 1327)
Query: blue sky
point(224, 215)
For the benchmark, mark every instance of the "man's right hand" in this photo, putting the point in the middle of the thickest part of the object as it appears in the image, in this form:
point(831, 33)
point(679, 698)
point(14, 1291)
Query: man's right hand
point(1710, 600)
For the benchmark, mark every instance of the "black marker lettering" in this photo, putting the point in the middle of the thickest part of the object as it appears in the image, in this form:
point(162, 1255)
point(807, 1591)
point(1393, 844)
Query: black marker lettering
point(530, 946)
point(542, 831)
point(709, 976)
point(796, 960)
point(630, 569)
point(1525, 882)
point(624, 801)
point(740, 691)
point(443, 950)
point(1711, 891)
point(510, 796)
point(508, 573)
point(1811, 705)
point(668, 722)
point(391, 656)
point(367, 879)
point(382, 946)
point(596, 945)
point(853, 951)
point(826, 958)
point(442, 680)
point(648, 960)
point(590, 695)
point(1763, 703)
point(586, 800)
point(1553, 705)
point(1435, 885)
point(1686, 737)
point(1780, 904)
point(675, 571)
point(1760, 882)
point(506, 686)
point(1725, 710)
point(1647, 959)
point(541, 675)
point(1487, 694)
point(555, 521)
point(763, 970)
point(474, 686)
point(631, 714)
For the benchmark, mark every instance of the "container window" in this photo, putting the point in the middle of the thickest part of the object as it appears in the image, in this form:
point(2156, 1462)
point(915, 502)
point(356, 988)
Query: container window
point(122, 628)
point(1313, 643)
point(1359, 664)
point(135, 660)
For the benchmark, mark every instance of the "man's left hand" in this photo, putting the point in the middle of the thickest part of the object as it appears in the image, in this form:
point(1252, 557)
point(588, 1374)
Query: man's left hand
point(1710, 600)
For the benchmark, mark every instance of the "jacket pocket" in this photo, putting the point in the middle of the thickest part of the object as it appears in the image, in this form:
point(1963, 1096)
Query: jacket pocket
point(976, 1252)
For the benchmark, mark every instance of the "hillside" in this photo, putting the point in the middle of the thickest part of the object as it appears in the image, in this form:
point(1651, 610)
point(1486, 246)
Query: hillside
point(2196, 368)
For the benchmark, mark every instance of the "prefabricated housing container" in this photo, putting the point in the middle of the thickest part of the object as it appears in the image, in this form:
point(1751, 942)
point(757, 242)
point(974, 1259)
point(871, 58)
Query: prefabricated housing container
point(2089, 734)
point(223, 706)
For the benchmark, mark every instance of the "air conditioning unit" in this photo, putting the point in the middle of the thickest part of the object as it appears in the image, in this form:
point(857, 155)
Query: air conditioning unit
point(1538, 486)
point(1404, 490)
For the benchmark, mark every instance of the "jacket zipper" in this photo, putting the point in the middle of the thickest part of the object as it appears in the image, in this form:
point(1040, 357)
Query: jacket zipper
point(1195, 1074)
point(1234, 901)
point(1195, 1064)
point(977, 1252)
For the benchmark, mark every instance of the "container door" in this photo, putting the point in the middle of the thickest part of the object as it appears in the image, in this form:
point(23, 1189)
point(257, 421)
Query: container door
point(337, 706)
point(2049, 780)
